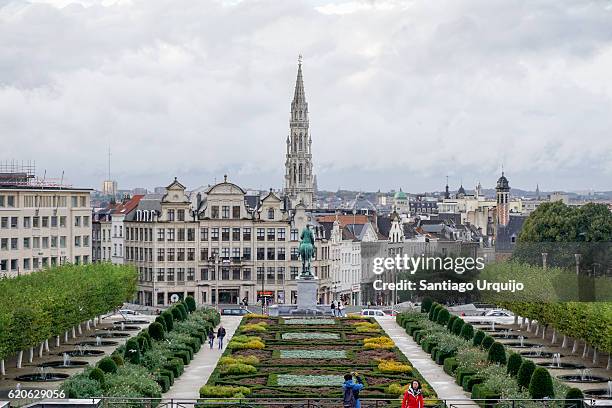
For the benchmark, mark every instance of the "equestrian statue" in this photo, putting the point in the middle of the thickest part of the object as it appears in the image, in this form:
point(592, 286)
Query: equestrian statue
point(306, 250)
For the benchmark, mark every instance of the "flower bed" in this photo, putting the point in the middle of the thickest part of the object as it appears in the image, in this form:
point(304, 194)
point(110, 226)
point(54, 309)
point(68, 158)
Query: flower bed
point(308, 358)
point(315, 354)
point(310, 336)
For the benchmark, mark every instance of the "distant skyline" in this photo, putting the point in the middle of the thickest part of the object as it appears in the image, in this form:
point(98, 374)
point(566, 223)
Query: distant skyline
point(401, 93)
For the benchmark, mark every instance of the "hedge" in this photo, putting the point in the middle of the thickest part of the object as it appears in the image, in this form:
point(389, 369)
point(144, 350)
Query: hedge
point(41, 305)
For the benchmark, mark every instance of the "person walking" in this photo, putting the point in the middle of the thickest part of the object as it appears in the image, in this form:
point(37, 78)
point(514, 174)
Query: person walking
point(340, 309)
point(413, 397)
point(350, 391)
point(211, 338)
point(221, 335)
point(333, 307)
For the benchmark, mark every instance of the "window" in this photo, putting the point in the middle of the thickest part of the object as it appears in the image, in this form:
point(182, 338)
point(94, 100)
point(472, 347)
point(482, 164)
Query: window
point(191, 254)
point(85, 221)
point(281, 254)
point(63, 241)
point(214, 212)
point(235, 234)
point(54, 222)
point(260, 274)
point(161, 254)
point(45, 242)
point(54, 242)
point(191, 234)
point(74, 200)
point(14, 222)
point(36, 222)
point(3, 262)
point(180, 215)
point(161, 274)
point(225, 234)
point(3, 201)
point(225, 253)
point(180, 275)
point(77, 223)
point(190, 274)
point(161, 232)
point(27, 222)
point(170, 254)
point(203, 234)
point(236, 274)
point(270, 213)
point(280, 234)
point(45, 222)
point(83, 201)
point(204, 274)
point(225, 211)
point(236, 211)
point(170, 234)
point(236, 253)
point(280, 274)
point(10, 201)
point(261, 234)
point(120, 229)
point(294, 272)
point(170, 275)
point(246, 234)
point(4, 222)
point(214, 235)
point(294, 234)
point(271, 235)
point(170, 215)
point(246, 253)
point(203, 254)
point(62, 221)
point(36, 242)
point(261, 254)
point(246, 274)
point(294, 254)
point(14, 243)
point(271, 253)
point(270, 274)
point(180, 255)
point(26, 264)
point(181, 234)
point(26, 243)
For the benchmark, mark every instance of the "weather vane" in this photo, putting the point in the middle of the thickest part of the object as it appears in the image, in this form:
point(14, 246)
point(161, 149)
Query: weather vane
point(300, 59)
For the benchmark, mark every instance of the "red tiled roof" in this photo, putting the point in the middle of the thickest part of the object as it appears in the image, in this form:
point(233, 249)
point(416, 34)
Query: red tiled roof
point(128, 206)
point(344, 219)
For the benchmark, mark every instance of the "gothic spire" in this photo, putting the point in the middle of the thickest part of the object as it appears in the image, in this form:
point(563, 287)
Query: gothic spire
point(299, 96)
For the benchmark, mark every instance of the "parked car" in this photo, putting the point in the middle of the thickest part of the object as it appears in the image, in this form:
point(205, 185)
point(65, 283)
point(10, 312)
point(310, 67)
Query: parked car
point(234, 312)
point(129, 312)
point(372, 312)
point(499, 313)
point(390, 312)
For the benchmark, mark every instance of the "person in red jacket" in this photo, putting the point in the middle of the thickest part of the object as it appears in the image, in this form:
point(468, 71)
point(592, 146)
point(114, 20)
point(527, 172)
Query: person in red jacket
point(413, 397)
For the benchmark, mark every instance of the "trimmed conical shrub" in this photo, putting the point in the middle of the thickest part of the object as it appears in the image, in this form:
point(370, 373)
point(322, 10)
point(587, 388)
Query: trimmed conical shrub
point(541, 384)
point(117, 359)
point(97, 374)
point(457, 326)
point(162, 321)
point(524, 374)
point(514, 364)
point(497, 353)
point(479, 337)
point(107, 365)
point(156, 331)
point(432, 308)
point(487, 342)
point(436, 312)
point(426, 304)
point(132, 351)
point(451, 321)
point(574, 398)
point(183, 309)
point(443, 316)
point(167, 315)
point(467, 331)
point(191, 303)
point(176, 314)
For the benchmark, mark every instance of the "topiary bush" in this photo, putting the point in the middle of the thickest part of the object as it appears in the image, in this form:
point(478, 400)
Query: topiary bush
point(176, 314)
point(436, 312)
point(451, 321)
point(524, 374)
point(479, 337)
point(117, 359)
point(426, 304)
point(514, 364)
point(497, 353)
point(107, 365)
point(183, 309)
point(431, 310)
point(156, 331)
point(487, 342)
point(541, 384)
point(467, 331)
point(443, 316)
point(98, 375)
point(160, 319)
point(191, 303)
point(574, 398)
point(132, 351)
point(167, 315)
point(457, 326)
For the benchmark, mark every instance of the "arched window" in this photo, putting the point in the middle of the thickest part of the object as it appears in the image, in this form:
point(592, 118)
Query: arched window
point(301, 143)
point(300, 173)
point(294, 173)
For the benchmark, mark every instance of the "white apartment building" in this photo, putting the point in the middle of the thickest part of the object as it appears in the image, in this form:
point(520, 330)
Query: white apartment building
point(42, 226)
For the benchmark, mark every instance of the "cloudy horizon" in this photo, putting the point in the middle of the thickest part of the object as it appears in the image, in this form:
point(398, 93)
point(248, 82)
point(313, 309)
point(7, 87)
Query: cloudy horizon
point(401, 93)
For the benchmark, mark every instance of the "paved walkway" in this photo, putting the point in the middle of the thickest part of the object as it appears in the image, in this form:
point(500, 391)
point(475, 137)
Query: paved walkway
point(442, 383)
point(196, 374)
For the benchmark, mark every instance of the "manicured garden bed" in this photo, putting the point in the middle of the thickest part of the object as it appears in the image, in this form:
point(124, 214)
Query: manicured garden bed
point(307, 358)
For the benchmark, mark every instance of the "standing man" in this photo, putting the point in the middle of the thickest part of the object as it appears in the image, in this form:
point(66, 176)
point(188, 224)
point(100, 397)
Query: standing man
point(221, 335)
point(333, 307)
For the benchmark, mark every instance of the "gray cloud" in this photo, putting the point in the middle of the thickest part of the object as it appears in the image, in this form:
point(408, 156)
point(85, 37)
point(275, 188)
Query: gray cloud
point(401, 93)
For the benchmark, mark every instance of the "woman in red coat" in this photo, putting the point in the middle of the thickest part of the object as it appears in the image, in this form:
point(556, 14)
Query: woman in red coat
point(413, 397)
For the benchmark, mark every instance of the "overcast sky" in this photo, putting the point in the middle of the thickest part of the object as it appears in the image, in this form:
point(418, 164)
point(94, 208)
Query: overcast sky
point(401, 93)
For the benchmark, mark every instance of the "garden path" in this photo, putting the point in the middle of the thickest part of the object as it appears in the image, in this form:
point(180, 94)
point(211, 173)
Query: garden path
point(196, 374)
point(442, 383)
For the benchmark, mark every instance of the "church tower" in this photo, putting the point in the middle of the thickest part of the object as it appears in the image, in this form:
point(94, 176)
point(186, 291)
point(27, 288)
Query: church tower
point(502, 193)
point(299, 179)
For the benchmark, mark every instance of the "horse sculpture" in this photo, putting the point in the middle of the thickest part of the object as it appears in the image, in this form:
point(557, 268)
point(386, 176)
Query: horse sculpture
point(306, 250)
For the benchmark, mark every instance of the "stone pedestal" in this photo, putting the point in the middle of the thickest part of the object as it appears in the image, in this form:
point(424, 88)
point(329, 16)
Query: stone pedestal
point(307, 293)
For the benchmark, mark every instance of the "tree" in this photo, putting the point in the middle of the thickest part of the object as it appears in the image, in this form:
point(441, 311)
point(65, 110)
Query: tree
point(541, 385)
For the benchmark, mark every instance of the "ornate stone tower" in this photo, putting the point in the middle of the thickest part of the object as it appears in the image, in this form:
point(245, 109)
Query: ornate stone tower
point(299, 180)
point(502, 193)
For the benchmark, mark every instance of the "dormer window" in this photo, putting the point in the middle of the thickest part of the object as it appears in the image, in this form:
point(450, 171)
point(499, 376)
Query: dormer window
point(170, 215)
point(270, 213)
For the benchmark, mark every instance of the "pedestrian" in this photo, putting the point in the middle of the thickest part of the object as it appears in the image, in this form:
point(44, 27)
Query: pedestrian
point(413, 397)
point(333, 307)
point(221, 335)
point(341, 309)
point(350, 391)
point(211, 338)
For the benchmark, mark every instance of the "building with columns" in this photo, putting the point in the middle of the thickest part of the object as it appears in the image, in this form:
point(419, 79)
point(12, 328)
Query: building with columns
point(299, 177)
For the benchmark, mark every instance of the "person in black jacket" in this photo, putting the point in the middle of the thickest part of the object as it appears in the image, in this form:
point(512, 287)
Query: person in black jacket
point(211, 338)
point(221, 335)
